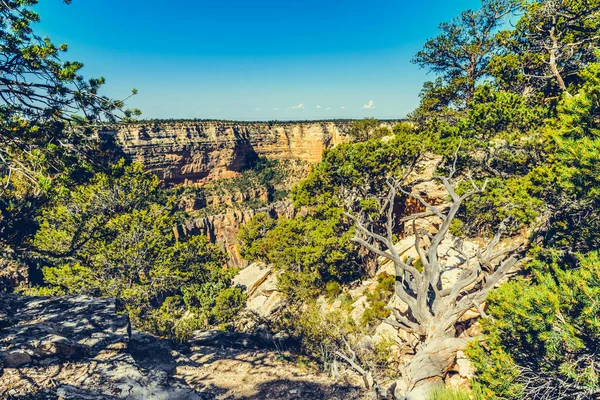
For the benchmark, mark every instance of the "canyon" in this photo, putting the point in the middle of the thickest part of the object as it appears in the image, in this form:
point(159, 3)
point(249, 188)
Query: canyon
point(198, 153)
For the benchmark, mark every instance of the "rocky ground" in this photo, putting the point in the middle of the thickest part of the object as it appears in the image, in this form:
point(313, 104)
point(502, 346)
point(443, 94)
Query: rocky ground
point(79, 348)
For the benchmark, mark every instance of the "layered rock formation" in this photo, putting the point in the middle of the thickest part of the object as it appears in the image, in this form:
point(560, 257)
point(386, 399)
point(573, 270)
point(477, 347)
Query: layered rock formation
point(223, 228)
point(200, 151)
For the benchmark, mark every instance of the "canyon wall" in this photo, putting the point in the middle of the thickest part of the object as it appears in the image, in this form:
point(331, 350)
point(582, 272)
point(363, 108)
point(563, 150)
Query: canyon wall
point(223, 228)
point(201, 151)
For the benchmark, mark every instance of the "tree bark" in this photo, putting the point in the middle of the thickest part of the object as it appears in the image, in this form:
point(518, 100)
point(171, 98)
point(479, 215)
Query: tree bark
point(427, 369)
point(553, 61)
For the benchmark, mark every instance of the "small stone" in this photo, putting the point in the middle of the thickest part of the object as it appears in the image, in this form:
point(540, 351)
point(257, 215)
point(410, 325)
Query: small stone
point(55, 345)
point(453, 381)
point(16, 359)
point(463, 366)
point(359, 307)
point(293, 391)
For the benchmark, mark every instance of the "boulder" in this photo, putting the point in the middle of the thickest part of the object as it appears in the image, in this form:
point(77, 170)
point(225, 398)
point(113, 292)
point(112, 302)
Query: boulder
point(268, 286)
point(271, 304)
point(62, 327)
point(400, 389)
point(54, 346)
point(15, 358)
point(463, 366)
point(357, 292)
point(256, 303)
point(252, 277)
point(396, 303)
point(358, 308)
point(385, 331)
point(387, 268)
point(450, 277)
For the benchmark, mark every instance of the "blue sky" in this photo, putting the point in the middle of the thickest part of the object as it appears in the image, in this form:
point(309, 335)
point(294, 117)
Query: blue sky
point(253, 59)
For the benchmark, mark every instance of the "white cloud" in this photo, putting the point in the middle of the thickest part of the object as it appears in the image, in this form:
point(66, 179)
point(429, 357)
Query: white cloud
point(328, 108)
point(370, 105)
point(318, 106)
point(276, 109)
point(298, 107)
point(343, 107)
point(258, 109)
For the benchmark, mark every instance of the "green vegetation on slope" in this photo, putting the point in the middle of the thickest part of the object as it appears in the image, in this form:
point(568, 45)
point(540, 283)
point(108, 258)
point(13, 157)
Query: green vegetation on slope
point(523, 114)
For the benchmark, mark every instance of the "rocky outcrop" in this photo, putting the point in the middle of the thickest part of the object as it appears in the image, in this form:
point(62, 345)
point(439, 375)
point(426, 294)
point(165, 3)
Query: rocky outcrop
point(38, 329)
point(74, 348)
point(260, 284)
point(223, 228)
point(201, 151)
point(80, 348)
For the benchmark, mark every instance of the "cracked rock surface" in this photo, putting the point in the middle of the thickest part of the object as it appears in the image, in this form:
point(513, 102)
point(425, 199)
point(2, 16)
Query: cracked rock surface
point(78, 347)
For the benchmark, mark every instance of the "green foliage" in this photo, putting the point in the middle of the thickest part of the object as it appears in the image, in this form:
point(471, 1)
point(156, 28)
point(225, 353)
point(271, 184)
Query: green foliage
point(228, 303)
point(333, 289)
point(46, 113)
point(378, 300)
point(362, 166)
point(39, 86)
point(495, 111)
point(570, 183)
point(571, 26)
point(251, 237)
point(263, 176)
point(367, 129)
point(509, 200)
point(549, 327)
point(310, 250)
point(114, 237)
point(320, 334)
point(454, 394)
point(460, 54)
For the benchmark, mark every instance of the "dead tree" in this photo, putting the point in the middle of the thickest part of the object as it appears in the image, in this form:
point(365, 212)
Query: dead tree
point(432, 311)
point(565, 33)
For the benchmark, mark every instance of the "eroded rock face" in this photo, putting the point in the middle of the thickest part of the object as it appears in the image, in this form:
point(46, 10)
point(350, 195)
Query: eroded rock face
point(223, 228)
point(201, 151)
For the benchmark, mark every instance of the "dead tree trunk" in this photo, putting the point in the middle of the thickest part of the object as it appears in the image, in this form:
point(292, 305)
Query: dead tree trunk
point(429, 366)
point(553, 59)
point(433, 311)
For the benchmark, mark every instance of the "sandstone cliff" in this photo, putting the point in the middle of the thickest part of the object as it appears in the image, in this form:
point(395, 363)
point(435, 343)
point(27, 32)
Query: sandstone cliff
point(223, 228)
point(212, 153)
point(201, 151)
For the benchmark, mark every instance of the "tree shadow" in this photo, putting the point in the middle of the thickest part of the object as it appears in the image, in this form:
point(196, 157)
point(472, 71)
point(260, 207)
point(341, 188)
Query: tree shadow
point(77, 347)
point(298, 389)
